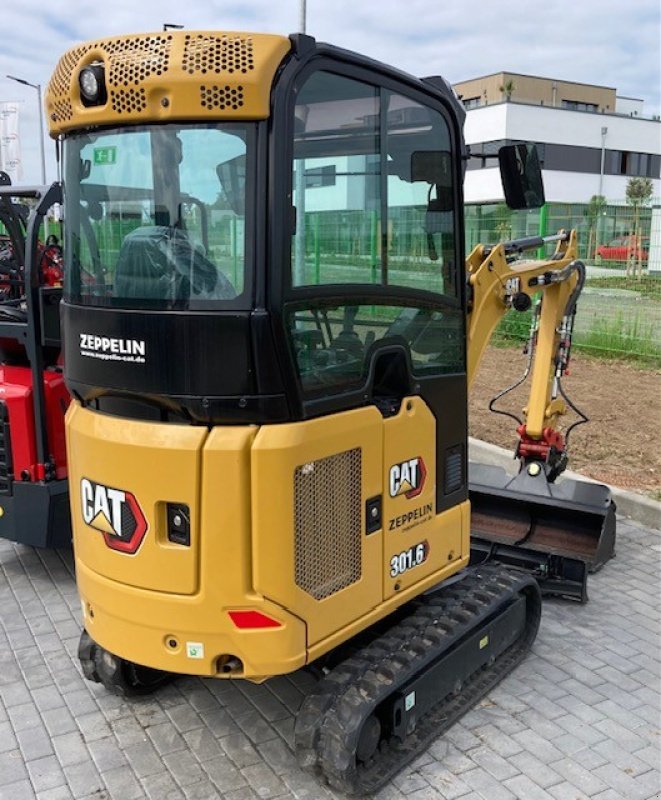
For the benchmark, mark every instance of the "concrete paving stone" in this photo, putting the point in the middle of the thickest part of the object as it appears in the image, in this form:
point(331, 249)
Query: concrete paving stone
point(81, 702)
point(58, 721)
point(224, 774)
point(286, 692)
point(107, 754)
point(451, 786)
point(34, 743)
point(83, 779)
point(609, 794)
point(539, 772)
point(165, 738)
point(504, 745)
point(203, 743)
point(263, 780)
point(573, 771)
point(70, 748)
point(566, 791)
point(203, 790)
point(184, 768)
point(161, 787)
point(641, 788)
point(15, 694)
point(256, 728)
point(538, 746)
point(486, 785)
point(47, 697)
point(122, 783)
point(626, 738)
point(408, 781)
point(12, 767)
point(93, 726)
point(429, 793)
point(493, 763)
point(525, 789)
point(278, 756)
point(650, 755)
point(579, 729)
point(220, 722)
point(58, 793)
point(266, 703)
point(7, 738)
point(184, 717)
point(45, 773)
point(240, 749)
point(16, 790)
point(24, 716)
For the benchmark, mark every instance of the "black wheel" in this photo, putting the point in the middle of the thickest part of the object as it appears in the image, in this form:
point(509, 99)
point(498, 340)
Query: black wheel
point(118, 675)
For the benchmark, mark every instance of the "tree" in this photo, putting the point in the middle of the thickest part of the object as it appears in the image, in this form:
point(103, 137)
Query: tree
point(593, 212)
point(639, 193)
point(503, 218)
point(507, 89)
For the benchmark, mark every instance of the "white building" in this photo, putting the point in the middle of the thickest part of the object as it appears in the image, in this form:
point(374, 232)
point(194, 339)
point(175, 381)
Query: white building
point(572, 144)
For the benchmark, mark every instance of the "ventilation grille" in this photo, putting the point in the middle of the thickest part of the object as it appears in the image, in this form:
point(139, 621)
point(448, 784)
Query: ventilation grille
point(328, 540)
point(217, 54)
point(126, 100)
point(133, 60)
point(221, 97)
point(454, 469)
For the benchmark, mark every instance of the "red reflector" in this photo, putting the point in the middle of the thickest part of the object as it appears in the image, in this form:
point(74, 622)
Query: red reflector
point(253, 619)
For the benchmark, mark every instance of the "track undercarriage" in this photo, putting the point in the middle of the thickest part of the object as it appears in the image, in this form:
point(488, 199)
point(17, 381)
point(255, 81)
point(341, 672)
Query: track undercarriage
point(395, 691)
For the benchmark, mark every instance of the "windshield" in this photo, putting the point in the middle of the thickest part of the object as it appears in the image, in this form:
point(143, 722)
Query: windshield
point(156, 216)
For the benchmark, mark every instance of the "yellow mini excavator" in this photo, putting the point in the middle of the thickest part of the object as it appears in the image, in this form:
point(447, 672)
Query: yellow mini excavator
point(270, 329)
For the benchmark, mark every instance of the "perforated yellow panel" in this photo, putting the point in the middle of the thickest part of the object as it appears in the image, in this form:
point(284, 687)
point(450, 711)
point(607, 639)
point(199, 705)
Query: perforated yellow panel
point(221, 53)
point(160, 77)
point(327, 503)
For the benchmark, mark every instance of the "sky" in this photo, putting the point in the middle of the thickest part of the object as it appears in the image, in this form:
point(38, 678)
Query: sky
point(606, 42)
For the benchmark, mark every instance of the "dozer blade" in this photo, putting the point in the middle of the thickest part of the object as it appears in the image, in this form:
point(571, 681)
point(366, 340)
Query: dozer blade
point(558, 532)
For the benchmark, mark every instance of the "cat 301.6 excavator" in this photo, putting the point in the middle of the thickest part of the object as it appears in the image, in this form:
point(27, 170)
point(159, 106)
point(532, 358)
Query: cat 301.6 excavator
point(266, 342)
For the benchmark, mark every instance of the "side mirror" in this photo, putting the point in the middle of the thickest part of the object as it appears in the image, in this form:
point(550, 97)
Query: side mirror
point(521, 175)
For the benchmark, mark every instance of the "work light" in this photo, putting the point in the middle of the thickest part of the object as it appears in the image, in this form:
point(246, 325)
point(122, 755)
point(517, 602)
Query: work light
point(92, 85)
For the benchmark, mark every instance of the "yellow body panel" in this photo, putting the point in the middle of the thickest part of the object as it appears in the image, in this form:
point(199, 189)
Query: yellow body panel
point(408, 522)
point(168, 76)
point(163, 464)
point(277, 452)
point(253, 540)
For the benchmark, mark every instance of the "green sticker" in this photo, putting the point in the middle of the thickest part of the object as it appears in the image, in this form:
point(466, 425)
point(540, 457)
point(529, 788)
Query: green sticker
point(105, 155)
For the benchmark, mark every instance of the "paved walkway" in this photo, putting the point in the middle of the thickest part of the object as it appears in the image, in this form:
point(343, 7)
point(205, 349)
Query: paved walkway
point(578, 719)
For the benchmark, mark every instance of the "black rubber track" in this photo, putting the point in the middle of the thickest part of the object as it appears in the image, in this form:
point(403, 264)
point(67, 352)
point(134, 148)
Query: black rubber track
point(331, 718)
point(118, 675)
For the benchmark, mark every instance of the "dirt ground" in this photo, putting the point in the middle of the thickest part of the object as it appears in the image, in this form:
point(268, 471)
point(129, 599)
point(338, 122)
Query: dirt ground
point(621, 445)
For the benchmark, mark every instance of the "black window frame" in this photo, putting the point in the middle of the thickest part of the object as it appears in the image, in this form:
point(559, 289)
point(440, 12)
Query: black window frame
point(281, 295)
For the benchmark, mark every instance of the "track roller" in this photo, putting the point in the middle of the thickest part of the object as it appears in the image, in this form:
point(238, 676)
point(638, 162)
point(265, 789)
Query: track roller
point(117, 675)
point(375, 711)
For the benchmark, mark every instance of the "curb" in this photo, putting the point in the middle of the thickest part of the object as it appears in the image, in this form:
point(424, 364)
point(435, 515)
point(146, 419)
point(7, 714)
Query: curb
point(629, 504)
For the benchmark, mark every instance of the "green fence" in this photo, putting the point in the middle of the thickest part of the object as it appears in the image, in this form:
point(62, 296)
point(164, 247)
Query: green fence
point(619, 313)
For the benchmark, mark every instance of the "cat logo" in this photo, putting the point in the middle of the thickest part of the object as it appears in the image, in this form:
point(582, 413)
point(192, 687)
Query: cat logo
point(408, 478)
point(115, 513)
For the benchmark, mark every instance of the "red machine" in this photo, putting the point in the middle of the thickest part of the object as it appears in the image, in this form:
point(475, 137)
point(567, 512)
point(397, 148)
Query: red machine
point(34, 500)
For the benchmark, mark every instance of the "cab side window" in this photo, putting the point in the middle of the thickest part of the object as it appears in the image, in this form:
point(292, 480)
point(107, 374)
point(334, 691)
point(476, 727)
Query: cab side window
point(372, 183)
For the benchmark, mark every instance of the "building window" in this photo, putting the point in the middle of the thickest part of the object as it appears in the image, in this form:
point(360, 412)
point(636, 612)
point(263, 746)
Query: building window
point(574, 105)
point(317, 177)
point(471, 102)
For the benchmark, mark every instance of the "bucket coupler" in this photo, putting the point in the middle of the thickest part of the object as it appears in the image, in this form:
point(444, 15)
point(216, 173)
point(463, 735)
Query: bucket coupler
point(559, 532)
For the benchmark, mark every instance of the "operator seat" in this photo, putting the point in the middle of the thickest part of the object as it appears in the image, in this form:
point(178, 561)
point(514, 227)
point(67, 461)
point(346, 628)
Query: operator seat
point(159, 262)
